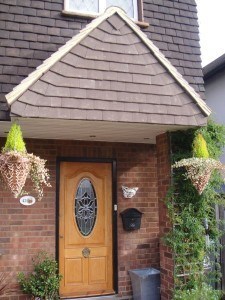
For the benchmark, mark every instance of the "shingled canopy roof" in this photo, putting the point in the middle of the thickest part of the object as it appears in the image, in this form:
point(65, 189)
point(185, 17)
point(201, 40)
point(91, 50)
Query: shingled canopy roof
point(109, 72)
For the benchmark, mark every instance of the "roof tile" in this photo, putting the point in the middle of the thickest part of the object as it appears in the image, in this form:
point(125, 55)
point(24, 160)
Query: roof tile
point(70, 59)
point(39, 87)
point(18, 108)
point(78, 114)
point(131, 97)
point(94, 115)
point(116, 21)
point(30, 98)
point(99, 34)
point(141, 48)
point(77, 93)
point(69, 71)
point(57, 92)
point(113, 66)
point(62, 113)
point(155, 118)
point(139, 118)
point(80, 50)
point(102, 85)
point(110, 71)
point(139, 78)
point(168, 119)
point(106, 26)
point(70, 102)
point(32, 111)
point(131, 107)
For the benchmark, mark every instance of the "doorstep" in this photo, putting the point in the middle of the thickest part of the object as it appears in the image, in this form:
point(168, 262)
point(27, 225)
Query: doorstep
point(114, 297)
point(95, 298)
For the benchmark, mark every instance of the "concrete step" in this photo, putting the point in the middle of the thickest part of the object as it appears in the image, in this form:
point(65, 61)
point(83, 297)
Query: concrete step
point(113, 297)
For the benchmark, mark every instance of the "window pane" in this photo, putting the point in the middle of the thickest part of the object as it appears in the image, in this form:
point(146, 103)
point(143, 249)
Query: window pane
point(85, 207)
point(126, 5)
point(84, 5)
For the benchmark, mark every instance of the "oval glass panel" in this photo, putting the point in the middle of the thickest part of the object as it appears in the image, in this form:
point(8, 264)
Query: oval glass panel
point(85, 207)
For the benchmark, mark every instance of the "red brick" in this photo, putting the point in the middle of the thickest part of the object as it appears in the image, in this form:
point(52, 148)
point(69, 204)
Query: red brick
point(35, 226)
point(164, 176)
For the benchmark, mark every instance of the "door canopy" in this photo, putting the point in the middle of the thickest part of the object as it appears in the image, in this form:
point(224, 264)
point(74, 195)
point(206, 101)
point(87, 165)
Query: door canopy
point(110, 71)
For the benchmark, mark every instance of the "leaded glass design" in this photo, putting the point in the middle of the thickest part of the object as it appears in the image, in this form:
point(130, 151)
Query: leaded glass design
point(126, 5)
point(84, 5)
point(85, 206)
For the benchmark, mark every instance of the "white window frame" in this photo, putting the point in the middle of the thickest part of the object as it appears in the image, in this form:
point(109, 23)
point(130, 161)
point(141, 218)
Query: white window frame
point(102, 8)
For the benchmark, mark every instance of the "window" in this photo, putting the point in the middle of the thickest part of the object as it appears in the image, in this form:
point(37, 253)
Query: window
point(85, 207)
point(99, 6)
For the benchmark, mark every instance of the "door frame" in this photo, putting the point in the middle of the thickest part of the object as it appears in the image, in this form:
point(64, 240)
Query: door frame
point(113, 163)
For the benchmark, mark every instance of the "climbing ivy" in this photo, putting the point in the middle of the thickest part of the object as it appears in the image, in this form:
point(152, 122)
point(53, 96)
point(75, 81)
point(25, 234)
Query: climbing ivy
point(195, 236)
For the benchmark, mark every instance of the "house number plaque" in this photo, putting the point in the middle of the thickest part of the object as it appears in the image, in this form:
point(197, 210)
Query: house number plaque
point(27, 200)
point(86, 252)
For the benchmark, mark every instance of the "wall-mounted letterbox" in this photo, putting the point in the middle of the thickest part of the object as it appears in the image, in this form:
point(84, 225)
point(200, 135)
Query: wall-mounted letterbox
point(131, 219)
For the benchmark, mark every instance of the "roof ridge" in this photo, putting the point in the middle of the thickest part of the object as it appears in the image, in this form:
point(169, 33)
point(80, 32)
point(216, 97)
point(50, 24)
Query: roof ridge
point(63, 50)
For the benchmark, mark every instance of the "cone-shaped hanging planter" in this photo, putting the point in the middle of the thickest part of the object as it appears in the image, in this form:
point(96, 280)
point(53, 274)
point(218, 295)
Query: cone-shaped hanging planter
point(16, 164)
point(199, 170)
point(14, 170)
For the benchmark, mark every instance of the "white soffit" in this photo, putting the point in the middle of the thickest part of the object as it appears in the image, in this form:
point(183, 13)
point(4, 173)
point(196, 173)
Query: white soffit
point(89, 130)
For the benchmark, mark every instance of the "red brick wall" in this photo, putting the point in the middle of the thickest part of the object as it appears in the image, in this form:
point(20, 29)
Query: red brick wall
point(25, 230)
point(164, 178)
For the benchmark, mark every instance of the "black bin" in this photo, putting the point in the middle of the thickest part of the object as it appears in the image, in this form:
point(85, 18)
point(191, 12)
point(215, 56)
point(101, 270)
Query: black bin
point(131, 219)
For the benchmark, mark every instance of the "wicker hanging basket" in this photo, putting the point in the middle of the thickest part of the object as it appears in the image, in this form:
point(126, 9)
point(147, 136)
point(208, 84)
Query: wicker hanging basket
point(198, 180)
point(199, 170)
point(14, 168)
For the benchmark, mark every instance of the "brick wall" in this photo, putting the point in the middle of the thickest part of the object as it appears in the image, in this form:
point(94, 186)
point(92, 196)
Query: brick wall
point(24, 230)
point(164, 178)
point(32, 30)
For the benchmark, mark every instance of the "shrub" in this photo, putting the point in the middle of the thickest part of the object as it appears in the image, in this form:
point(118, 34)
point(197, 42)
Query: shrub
point(44, 281)
point(199, 293)
point(200, 149)
point(195, 235)
point(14, 141)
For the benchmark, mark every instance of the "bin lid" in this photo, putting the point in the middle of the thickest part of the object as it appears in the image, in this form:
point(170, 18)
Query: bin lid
point(144, 273)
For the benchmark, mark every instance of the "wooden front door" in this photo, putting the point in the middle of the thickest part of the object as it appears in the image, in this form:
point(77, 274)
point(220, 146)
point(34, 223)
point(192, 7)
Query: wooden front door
point(85, 229)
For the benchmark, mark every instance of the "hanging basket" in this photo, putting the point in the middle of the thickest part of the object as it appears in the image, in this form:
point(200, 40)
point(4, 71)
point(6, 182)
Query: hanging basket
point(14, 168)
point(199, 180)
point(199, 170)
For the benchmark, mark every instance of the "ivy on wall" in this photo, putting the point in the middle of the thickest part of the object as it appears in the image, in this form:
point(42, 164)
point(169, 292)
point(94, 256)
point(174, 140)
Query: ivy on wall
point(195, 237)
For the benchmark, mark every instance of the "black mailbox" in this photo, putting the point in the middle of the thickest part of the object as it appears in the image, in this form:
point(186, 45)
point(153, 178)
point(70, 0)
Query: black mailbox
point(131, 218)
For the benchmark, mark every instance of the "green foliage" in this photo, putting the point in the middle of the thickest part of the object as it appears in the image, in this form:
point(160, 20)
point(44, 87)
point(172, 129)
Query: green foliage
point(188, 210)
point(198, 293)
point(14, 141)
point(200, 147)
point(44, 281)
point(214, 136)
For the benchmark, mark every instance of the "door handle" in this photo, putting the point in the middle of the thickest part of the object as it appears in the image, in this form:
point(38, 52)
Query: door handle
point(86, 252)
